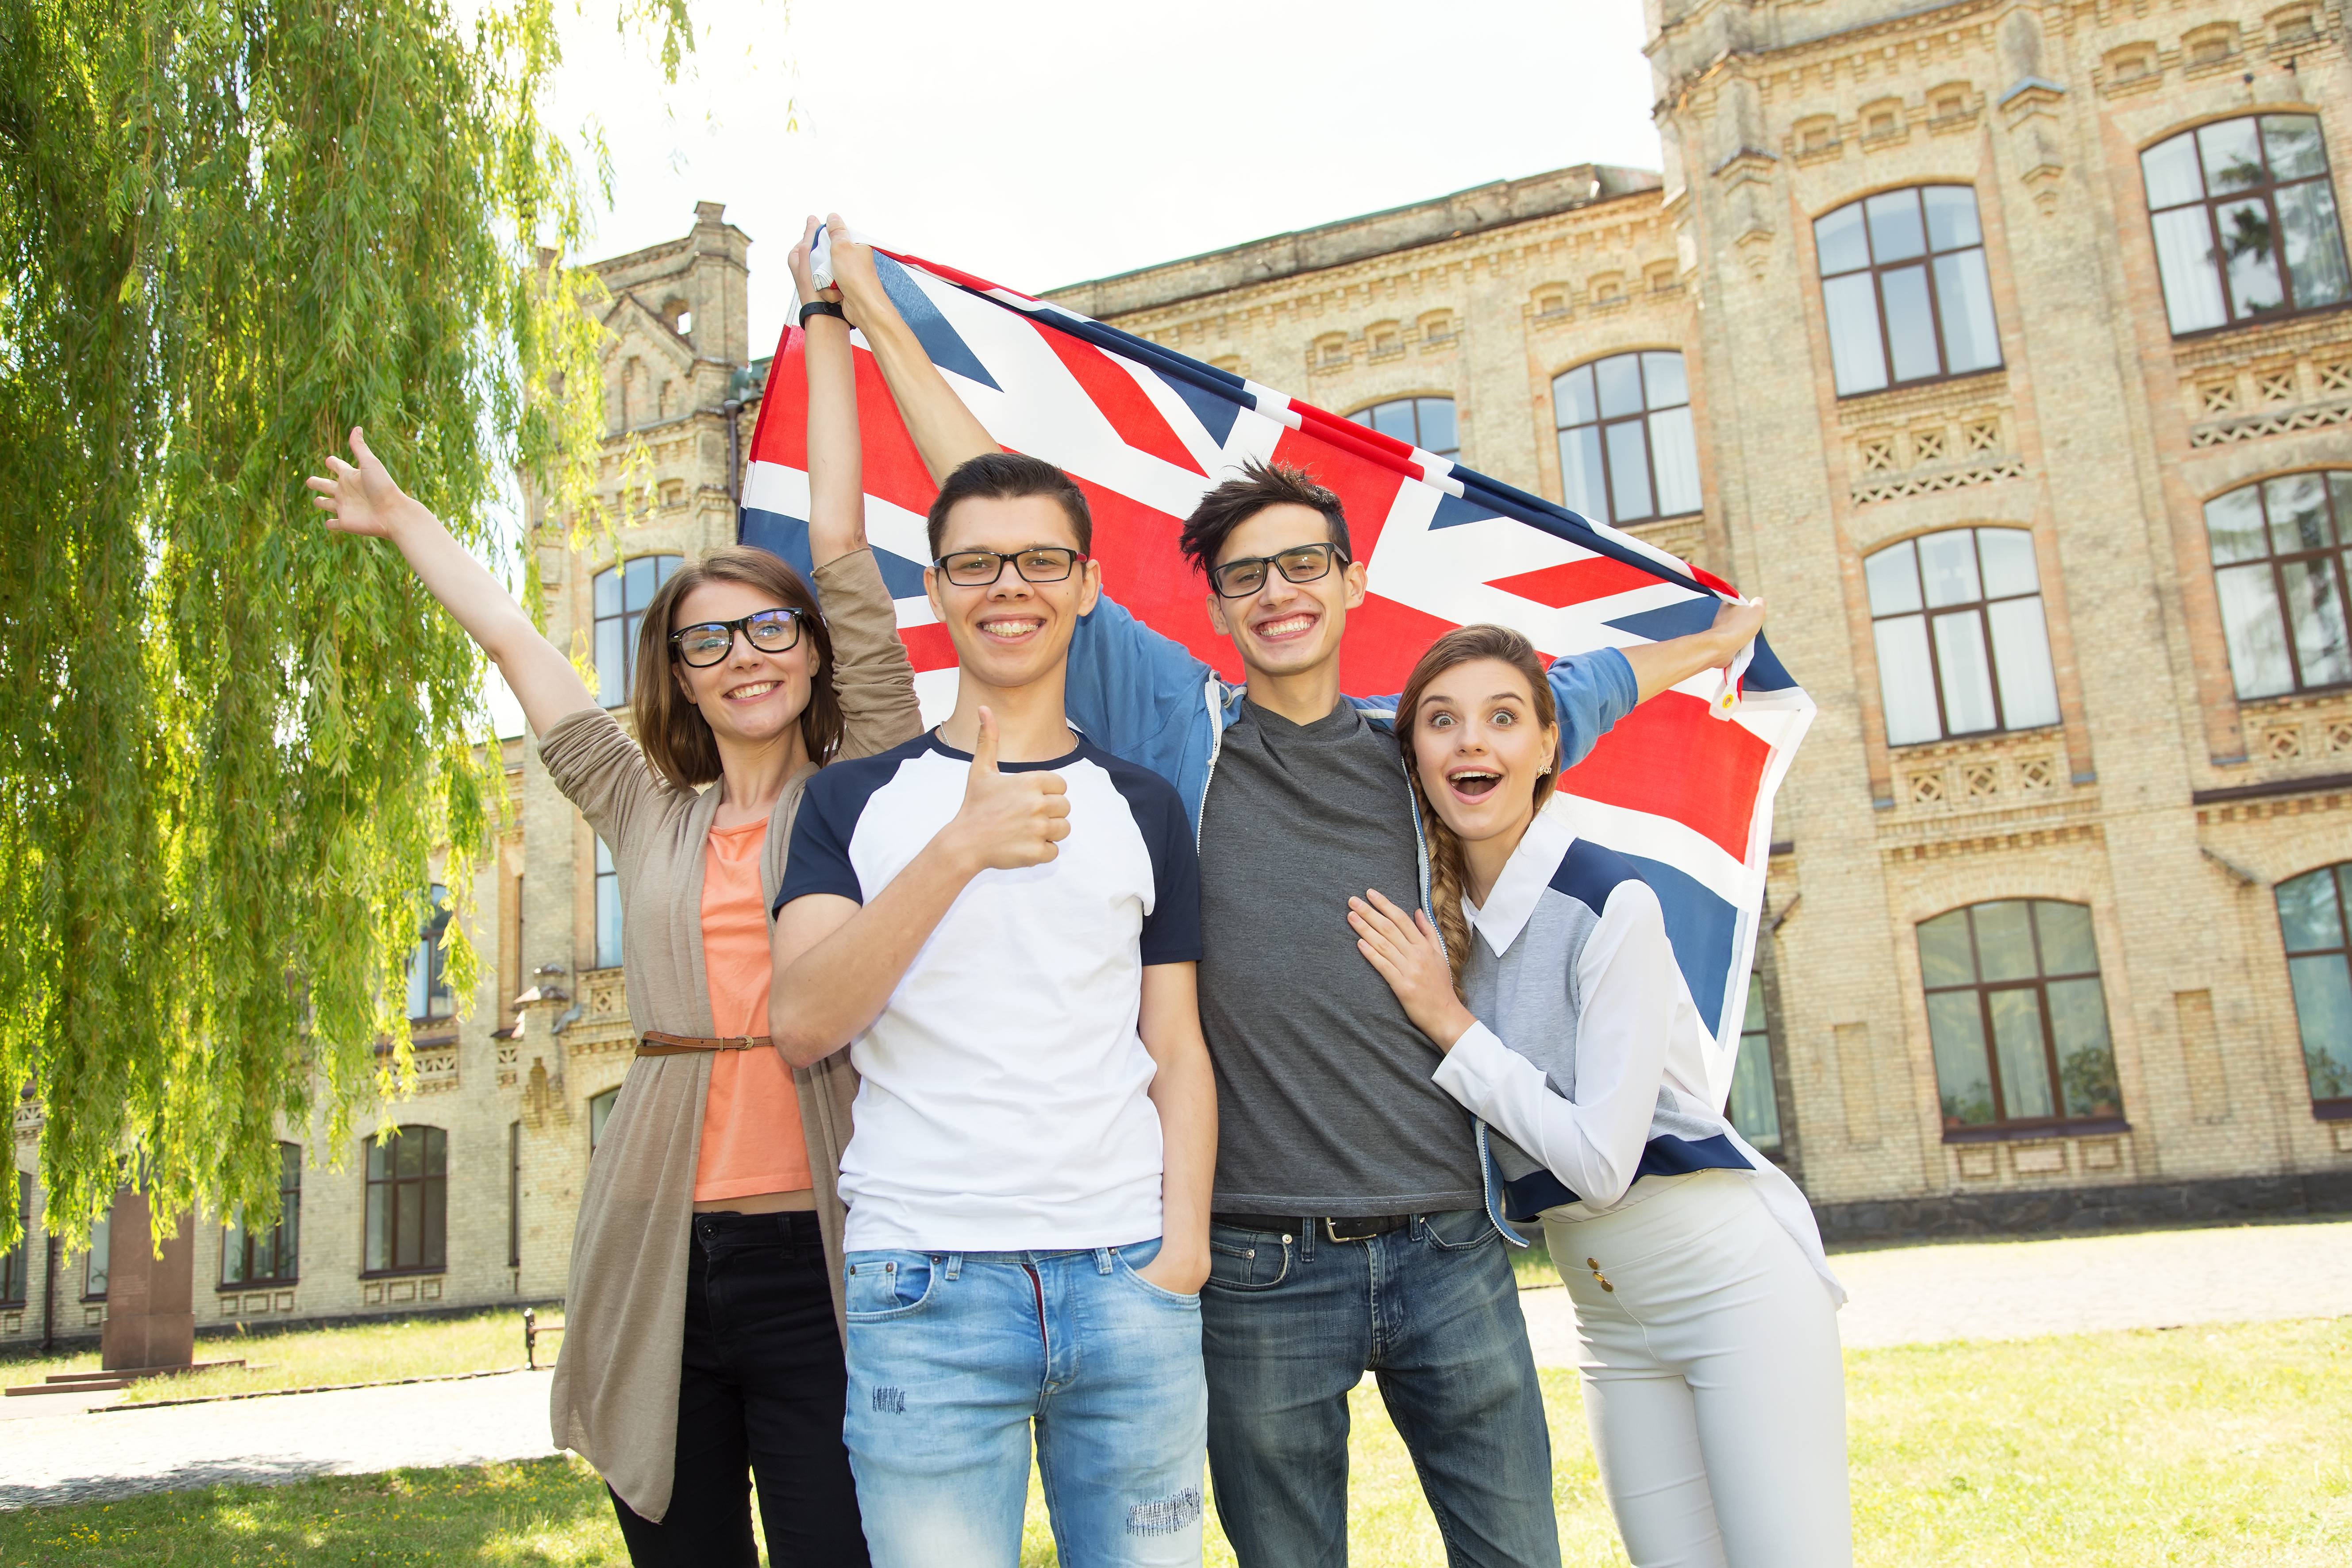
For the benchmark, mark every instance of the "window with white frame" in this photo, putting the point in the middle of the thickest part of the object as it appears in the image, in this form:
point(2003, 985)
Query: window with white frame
point(1962, 644)
point(2245, 221)
point(622, 593)
point(1627, 451)
point(1905, 287)
point(2280, 556)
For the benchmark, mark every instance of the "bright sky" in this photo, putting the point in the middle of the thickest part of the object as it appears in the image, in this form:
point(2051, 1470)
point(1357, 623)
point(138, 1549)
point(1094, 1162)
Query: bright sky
point(1054, 141)
point(1049, 142)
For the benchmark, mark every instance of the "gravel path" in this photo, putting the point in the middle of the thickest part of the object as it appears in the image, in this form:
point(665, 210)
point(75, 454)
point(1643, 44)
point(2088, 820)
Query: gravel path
point(1910, 1295)
point(2018, 1289)
point(103, 1454)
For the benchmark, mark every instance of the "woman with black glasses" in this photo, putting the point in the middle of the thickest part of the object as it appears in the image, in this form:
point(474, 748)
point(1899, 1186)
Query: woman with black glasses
point(703, 1335)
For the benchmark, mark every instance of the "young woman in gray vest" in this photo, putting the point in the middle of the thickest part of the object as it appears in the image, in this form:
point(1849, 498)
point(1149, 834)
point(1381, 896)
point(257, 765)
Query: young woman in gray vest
point(1712, 1376)
point(703, 1342)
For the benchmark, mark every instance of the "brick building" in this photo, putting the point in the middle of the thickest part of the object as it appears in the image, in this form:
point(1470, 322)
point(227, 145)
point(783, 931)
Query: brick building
point(2006, 347)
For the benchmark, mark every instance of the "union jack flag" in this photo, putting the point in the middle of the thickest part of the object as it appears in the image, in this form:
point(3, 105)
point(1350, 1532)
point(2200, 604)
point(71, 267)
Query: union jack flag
point(1145, 431)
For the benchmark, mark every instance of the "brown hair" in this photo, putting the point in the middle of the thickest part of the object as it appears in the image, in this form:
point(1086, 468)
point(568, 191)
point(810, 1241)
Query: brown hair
point(1465, 646)
point(1009, 476)
point(675, 737)
point(1234, 502)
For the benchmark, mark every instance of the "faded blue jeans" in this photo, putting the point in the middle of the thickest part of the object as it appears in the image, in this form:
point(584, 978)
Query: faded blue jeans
point(1291, 1323)
point(954, 1357)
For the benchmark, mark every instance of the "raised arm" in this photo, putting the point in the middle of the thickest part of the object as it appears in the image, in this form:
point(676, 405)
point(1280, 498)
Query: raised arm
point(946, 433)
point(1660, 665)
point(835, 462)
point(871, 672)
point(362, 498)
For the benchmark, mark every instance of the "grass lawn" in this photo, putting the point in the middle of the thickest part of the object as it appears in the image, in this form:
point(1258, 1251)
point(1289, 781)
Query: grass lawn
point(2188, 1448)
point(351, 1352)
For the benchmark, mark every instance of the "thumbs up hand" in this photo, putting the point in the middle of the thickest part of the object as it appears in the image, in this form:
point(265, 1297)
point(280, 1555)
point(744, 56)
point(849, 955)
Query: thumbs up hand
point(1008, 820)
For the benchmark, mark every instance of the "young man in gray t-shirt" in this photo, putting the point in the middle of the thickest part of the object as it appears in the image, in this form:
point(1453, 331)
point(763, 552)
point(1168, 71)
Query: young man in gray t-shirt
point(1349, 1229)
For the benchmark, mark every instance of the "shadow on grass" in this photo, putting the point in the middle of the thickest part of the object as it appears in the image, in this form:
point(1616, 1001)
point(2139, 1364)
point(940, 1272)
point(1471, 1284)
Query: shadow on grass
point(535, 1512)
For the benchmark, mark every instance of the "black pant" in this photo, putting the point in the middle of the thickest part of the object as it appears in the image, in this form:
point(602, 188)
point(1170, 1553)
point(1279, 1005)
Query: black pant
point(760, 1386)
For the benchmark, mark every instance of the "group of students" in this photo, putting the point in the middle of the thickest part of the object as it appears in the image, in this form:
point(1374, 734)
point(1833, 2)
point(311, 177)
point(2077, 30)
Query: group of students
point(1129, 1063)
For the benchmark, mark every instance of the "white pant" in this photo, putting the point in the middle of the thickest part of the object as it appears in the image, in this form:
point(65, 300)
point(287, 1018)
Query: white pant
point(1712, 1378)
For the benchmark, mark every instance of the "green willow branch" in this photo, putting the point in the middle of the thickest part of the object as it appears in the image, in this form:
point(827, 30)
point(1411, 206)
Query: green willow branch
point(230, 745)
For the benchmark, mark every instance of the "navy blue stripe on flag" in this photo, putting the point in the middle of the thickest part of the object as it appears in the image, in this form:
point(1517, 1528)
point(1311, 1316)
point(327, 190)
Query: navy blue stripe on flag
point(940, 340)
point(1701, 926)
point(1527, 1197)
point(778, 535)
point(789, 537)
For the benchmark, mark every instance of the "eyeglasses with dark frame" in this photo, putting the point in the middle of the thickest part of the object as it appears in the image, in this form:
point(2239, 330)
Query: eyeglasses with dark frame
point(981, 568)
point(705, 643)
point(1240, 578)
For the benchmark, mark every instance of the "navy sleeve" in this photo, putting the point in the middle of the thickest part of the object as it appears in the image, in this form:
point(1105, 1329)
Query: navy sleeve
point(818, 861)
point(1171, 931)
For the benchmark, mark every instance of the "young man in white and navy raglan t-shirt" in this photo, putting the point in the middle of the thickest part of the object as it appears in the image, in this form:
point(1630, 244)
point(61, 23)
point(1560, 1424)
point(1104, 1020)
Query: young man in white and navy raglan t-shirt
point(1008, 948)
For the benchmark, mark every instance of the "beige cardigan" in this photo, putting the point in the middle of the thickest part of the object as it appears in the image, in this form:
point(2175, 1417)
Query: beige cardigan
point(614, 1399)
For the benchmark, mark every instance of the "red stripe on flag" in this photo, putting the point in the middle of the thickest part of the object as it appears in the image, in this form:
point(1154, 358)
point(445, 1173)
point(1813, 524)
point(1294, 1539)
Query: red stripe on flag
point(929, 647)
point(1670, 758)
point(1366, 487)
point(1578, 581)
point(894, 468)
point(1122, 402)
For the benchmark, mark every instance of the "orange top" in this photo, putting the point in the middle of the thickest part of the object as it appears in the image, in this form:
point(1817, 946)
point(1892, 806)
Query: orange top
point(751, 1138)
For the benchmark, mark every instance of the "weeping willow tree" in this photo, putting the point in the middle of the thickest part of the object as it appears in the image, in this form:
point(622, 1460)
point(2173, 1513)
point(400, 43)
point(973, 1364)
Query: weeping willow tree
point(230, 744)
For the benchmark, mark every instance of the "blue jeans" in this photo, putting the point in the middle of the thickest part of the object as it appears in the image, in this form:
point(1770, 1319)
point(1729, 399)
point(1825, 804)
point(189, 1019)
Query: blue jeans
point(1290, 1325)
point(953, 1356)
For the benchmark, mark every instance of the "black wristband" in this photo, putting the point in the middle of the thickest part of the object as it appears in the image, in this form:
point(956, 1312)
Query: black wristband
point(823, 308)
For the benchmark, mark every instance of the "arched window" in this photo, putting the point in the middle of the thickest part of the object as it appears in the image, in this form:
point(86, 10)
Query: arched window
point(600, 1110)
point(2311, 912)
point(1753, 1108)
point(429, 995)
point(272, 1255)
point(2280, 555)
point(1424, 422)
point(1902, 281)
point(1962, 646)
point(622, 593)
point(2016, 1015)
point(1627, 453)
point(608, 909)
point(2245, 221)
point(407, 1202)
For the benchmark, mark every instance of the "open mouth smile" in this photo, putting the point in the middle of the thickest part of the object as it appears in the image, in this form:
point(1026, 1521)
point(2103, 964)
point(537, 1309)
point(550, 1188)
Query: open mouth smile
point(1281, 629)
point(751, 691)
point(1013, 629)
point(1474, 783)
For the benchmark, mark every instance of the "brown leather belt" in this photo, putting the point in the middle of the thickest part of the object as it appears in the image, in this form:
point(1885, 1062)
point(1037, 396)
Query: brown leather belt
point(653, 1043)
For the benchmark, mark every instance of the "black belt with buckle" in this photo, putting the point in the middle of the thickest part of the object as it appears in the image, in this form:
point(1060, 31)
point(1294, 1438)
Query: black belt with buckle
point(1357, 1228)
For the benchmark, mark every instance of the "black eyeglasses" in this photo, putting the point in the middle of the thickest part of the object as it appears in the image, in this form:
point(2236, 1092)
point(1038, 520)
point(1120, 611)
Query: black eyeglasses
point(981, 568)
point(705, 643)
point(1240, 578)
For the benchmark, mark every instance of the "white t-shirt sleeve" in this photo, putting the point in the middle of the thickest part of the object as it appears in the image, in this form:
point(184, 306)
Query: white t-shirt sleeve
point(1594, 1144)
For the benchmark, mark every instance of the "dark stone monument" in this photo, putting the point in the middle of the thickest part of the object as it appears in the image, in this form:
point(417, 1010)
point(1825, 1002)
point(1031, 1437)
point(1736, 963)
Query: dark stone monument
point(151, 1319)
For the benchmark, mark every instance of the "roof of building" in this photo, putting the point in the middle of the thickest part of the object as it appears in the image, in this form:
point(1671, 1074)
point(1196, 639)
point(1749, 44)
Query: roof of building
point(1493, 205)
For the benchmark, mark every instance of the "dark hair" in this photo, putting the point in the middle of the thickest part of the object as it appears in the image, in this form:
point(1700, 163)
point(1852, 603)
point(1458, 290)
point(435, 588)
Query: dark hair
point(1234, 502)
point(1465, 646)
point(675, 737)
point(1009, 476)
